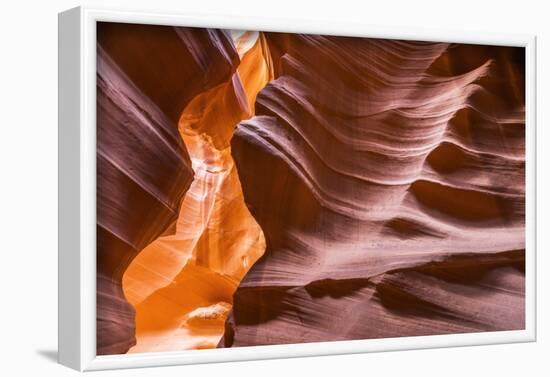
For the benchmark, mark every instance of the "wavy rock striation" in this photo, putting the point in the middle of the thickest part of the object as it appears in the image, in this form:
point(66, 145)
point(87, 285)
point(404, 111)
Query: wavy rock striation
point(146, 75)
point(388, 179)
point(278, 188)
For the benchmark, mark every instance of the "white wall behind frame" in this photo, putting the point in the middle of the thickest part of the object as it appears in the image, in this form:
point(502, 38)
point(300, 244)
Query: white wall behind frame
point(28, 154)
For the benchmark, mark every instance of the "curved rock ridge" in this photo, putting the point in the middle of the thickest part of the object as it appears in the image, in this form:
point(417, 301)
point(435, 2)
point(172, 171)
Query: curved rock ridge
point(170, 65)
point(388, 178)
point(182, 284)
point(143, 167)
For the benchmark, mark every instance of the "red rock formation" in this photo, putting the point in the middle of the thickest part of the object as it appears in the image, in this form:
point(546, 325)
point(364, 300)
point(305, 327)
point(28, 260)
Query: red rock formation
point(146, 75)
point(383, 179)
point(388, 178)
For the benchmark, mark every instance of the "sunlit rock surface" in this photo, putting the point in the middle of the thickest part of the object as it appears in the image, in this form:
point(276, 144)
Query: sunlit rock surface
point(146, 75)
point(216, 240)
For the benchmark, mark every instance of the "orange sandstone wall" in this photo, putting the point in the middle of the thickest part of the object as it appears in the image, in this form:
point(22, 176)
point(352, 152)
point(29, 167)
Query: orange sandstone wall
point(146, 76)
point(182, 284)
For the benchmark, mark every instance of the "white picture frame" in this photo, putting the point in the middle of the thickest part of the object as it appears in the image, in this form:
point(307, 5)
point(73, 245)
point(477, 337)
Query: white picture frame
point(77, 185)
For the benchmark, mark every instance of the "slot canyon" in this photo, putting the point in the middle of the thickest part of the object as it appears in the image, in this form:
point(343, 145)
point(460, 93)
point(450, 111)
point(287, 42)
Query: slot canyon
point(258, 188)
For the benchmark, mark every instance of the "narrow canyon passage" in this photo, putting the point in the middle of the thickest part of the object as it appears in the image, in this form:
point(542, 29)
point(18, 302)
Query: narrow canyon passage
point(181, 285)
point(275, 188)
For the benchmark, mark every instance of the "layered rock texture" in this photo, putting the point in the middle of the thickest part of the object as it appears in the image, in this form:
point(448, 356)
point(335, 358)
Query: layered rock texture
point(268, 188)
point(388, 178)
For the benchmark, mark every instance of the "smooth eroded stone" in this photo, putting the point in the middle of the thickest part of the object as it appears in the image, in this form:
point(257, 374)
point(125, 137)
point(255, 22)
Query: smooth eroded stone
point(388, 178)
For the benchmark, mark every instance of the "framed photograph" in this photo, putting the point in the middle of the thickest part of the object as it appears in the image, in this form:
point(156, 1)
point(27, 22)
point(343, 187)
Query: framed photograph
point(238, 189)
